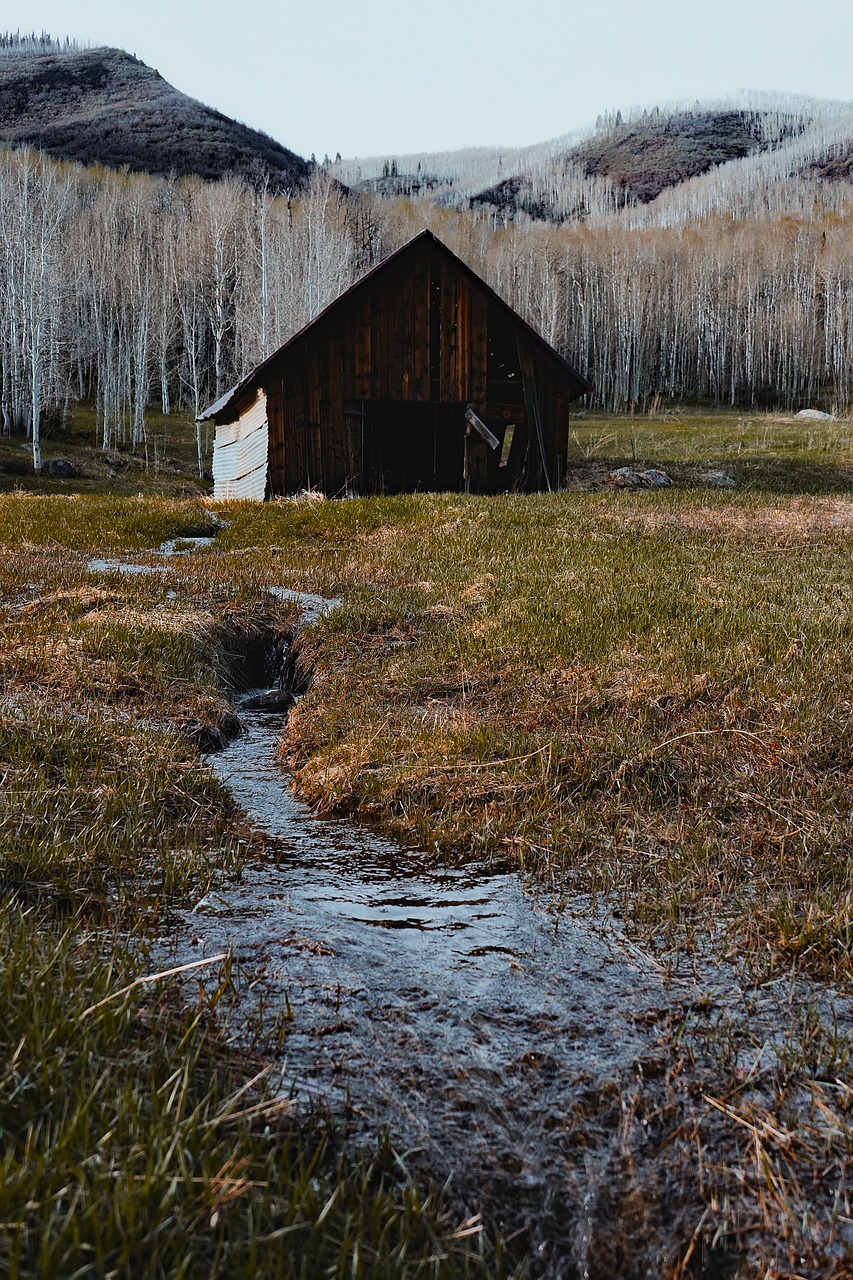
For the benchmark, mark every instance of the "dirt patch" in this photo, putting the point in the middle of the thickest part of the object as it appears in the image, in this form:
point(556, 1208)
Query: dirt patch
point(800, 521)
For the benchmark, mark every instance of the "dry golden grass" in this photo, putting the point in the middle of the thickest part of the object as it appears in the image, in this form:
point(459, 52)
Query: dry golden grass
point(136, 1141)
point(644, 699)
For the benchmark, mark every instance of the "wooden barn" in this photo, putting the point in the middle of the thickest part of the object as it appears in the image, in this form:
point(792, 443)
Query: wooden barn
point(419, 377)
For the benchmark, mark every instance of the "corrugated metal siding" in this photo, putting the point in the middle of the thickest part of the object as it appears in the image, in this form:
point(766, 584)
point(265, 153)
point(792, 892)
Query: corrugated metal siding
point(240, 455)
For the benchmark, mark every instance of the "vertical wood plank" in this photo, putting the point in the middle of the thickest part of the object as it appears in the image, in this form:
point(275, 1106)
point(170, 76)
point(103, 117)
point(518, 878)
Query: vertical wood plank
point(376, 351)
point(479, 346)
point(448, 332)
point(361, 321)
point(407, 345)
point(537, 454)
point(420, 328)
point(275, 466)
point(463, 345)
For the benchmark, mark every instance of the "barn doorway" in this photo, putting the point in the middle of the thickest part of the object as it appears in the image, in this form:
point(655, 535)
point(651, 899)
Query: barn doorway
point(410, 447)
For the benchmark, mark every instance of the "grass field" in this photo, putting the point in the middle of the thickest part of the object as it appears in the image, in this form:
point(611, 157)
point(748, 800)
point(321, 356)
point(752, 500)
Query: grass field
point(643, 699)
point(761, 451)
point(165, 463)
point(131, 1143)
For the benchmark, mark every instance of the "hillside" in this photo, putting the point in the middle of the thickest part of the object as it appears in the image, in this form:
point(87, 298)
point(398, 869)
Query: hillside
point(103, 106)
point(644, 157)
point(624, 165)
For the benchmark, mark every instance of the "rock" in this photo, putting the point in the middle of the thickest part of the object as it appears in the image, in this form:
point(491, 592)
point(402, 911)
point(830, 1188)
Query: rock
point(814, 415)
point(623, 478)
point(272, 700)
point(628, 478)
point(210, 736)
point(716, 479)
point(59, 469)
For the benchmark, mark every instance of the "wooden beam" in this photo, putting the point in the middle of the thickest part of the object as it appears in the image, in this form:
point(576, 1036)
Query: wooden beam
point(477, 423)
point(531, 402)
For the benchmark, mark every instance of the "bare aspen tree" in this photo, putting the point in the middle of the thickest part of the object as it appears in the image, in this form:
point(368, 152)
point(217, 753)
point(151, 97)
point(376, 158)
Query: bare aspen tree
point(35, 198)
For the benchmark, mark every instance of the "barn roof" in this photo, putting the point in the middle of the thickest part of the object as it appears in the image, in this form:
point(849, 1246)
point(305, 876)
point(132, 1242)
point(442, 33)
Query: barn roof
point(224, 401)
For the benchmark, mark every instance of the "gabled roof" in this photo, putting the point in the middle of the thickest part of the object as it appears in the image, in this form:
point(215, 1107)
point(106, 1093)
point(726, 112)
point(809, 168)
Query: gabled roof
point(425, 236)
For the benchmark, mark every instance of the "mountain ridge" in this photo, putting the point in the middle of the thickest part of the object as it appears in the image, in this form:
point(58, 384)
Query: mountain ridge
point(626, 166)
point(104, 106)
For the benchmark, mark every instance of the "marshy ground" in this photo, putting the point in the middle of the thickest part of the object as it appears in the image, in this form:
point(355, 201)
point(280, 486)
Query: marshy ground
point(641, 702)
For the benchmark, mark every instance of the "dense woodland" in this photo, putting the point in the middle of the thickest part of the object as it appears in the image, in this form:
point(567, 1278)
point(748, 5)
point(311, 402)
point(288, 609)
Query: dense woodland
point(131, 290)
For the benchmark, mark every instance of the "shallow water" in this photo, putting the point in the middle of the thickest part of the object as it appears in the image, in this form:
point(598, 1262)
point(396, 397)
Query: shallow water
point(104, 565)
point(447, 1004)
point(496, 1040)
point(168, 549)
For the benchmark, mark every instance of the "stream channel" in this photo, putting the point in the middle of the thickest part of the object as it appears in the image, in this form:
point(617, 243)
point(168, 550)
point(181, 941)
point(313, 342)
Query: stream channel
point(446, 1005)
point(513, 1049)
point(506, 1047)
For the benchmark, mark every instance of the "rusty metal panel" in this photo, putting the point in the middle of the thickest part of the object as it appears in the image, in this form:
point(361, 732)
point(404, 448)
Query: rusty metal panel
point(241, 455)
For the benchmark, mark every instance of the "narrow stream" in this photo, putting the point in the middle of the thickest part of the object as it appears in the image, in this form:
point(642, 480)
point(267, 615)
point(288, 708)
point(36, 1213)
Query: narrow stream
point(500, 1044)
point(516, 1052)
point(446, 1005)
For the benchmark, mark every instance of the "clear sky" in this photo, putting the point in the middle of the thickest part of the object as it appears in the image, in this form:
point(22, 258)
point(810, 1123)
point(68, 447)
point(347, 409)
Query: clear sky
point(375, 77)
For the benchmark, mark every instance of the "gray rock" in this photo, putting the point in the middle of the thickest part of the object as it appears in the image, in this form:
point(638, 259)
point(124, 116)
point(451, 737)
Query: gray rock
point(272, 700)
point(623, 478)
point(716, 479)
point(814, 415)
point(213, 737)
point(59, 469)
point(628, 478)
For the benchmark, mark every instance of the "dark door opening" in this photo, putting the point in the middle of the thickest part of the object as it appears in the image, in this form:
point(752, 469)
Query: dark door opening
point(410, 447)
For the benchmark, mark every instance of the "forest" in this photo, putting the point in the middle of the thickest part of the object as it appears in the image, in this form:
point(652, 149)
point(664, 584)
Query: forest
point(734, 287)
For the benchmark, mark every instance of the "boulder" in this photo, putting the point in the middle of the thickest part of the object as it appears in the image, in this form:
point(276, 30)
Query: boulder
point(59, 469)
point(814, 415)
point(716, 479)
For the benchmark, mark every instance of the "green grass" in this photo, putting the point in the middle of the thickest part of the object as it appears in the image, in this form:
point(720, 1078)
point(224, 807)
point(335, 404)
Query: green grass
point(644, 696)
point(763, 452)
point(130, 1148)
point(165, 463)
point(132, 1140)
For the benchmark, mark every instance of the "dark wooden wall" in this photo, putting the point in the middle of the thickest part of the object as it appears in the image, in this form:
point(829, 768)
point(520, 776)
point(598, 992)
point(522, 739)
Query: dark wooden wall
point(372, 398)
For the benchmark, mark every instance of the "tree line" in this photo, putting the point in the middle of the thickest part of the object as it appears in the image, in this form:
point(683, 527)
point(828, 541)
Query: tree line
point(130, 291)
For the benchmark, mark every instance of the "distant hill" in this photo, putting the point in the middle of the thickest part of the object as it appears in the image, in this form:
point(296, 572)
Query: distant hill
point(103, 106)
point(637, 166)
point(646, 156)
point(836, 165)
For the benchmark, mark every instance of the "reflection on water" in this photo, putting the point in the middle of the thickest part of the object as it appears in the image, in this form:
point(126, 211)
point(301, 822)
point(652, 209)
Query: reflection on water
point(442, 1002)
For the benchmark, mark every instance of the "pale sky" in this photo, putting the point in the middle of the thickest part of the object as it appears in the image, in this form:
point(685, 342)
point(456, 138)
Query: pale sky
point(376, 77)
